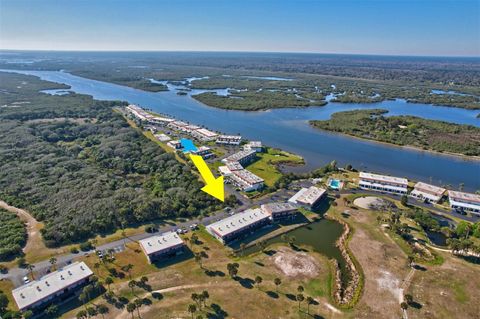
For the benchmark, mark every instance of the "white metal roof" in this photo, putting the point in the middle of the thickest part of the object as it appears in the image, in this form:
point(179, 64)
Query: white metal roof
point(430, 189)
point(464, 197)
point(239, 156)
point(307, 195)
point(383, 178)
point(247, 176)
point(50, 284)
point(230, 137)
point(158, 243)
point(206, 133)
point(238, 221)
point(270, 208)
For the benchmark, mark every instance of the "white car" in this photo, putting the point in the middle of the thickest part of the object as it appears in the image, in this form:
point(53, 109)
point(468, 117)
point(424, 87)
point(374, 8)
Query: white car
point(26, 280)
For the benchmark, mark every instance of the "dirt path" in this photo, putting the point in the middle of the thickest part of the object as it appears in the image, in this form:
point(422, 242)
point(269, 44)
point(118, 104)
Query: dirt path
point(33, 227)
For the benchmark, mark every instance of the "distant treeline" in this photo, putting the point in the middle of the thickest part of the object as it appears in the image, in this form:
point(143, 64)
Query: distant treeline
point(81, 169)
point(405, 130)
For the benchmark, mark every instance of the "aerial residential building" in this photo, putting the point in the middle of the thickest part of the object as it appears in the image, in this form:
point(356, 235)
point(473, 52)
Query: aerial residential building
point(138, 112)
point(239, 224)
point(229, 139)
point(309, 197)
point(161, 120)
point(189, 129)
point(203, 134)
point(383, 183)
point(203, 151)
point(246, 180)
point(242, 157)
point(254, 145)
point(176, 145)
point(234, 166)
point(279, 211)
point(160, 246)
point(162, 137)
point(466, 202)
point(177, 125)
point(54, 287)
point(427, 192)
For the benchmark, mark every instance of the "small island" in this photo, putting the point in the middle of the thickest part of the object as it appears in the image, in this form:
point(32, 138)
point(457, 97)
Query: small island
point(257, 101)
point(405, 130)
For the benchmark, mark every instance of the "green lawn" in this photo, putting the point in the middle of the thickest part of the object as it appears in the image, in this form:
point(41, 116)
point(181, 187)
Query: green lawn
point(266, 165)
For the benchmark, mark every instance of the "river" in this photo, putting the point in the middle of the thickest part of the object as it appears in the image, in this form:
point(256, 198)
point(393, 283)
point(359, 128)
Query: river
point(288, 129)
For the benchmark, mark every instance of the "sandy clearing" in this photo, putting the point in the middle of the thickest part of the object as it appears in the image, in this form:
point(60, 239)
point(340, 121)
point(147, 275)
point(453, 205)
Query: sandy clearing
point(372, 202)
point(295, 264)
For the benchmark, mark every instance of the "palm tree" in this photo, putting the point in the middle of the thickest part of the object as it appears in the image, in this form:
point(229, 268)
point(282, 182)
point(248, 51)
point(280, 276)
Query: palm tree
point(198, 259)
point(408, 298)
point(258, 281)
point(53, 262)
point(310, 301)
point(128, 268)
point(205, 295)
point(108, 282)
point(300, 289)
point(196, 297)
point(192, 309)
point(242, 248)
point(131, 308)
point(300, 298)
point(81, 314)
point(51, 310)
point(138, 305)
point(30, 268)
point(404, 306)
point(132, 284)
point(277, 281)
point(102, 310)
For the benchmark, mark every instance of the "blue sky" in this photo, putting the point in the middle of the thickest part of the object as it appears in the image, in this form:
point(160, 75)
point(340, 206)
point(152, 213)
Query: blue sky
point(394, 27)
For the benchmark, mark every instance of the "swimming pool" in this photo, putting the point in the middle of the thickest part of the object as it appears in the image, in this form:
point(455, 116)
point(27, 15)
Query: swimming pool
point(334, 183)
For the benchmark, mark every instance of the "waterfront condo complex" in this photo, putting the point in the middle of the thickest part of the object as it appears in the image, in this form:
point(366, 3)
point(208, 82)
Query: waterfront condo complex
point(54, 287)
point(383, 183)
point(466, 202)
point(427, 192)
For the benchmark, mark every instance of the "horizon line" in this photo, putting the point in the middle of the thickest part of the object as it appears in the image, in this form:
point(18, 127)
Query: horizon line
point(240, 51)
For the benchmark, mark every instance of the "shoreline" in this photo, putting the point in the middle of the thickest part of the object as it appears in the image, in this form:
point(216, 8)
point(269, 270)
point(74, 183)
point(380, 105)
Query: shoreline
point(473, 158)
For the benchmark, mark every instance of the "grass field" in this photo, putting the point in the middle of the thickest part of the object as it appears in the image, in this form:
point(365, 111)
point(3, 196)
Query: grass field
point(239, 298)
point(266, 165)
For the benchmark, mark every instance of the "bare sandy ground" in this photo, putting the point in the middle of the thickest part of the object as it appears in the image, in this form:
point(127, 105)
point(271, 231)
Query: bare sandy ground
point(371, 202)
point(295, 264)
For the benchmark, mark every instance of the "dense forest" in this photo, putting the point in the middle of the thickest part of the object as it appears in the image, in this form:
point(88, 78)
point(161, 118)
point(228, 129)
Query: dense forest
point(13, 235)
point(405, 130)
point(81, 169)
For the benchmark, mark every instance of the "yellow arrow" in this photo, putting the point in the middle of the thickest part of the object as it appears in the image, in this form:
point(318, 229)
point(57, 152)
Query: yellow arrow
point(214, 186)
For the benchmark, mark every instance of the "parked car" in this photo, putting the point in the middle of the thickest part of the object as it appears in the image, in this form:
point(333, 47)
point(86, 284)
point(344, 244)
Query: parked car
point(26, 280)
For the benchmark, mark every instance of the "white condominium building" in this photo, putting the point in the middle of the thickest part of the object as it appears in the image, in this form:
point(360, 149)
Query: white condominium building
point(466, 202)
point(234, 226)
point(242, 157)
point(203, 134)
point(157, 247)
point(229, 139)
point(246, 180)
point(383, 183)
point(308, 196)
point(427, 192)
point(52, 287)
